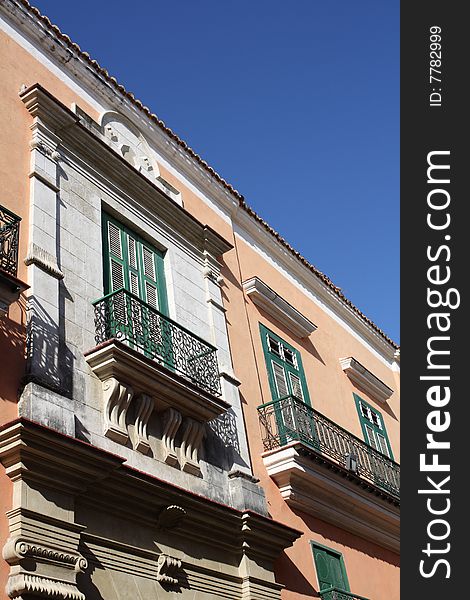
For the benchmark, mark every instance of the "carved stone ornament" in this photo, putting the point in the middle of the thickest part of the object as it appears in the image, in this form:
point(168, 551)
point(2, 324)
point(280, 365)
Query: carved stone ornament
point(23, 584)
point(18, 548)
point(144, 409)
point(171, 423)
point(171, 516)
point(117, 398)
point(41, 587)
point(167, 569)
point(191, 445)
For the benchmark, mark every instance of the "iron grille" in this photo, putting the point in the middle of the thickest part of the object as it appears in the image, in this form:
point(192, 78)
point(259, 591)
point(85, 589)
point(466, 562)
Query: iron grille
point(334, 593)
point(9, 238)
point(123, 316)
point(289, 419)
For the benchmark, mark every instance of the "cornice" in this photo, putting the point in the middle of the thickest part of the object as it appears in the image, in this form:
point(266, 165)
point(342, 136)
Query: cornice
point(94, 476)
point(365, 380)
point(266, 298)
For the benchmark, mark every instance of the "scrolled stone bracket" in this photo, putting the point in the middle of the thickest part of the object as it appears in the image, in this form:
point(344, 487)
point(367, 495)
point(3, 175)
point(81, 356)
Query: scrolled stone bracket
point(144, 409)
point(171, 423)
point(18, 548)
point(167, 569)
point(117, 398)
point(193, 435)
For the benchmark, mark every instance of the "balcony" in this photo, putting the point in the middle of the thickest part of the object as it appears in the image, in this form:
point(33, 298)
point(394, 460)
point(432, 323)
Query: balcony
point(10, 286)
point(125, 317)
point(334, 593)
point(148, 361)
point(325, 470)
point(289, 419)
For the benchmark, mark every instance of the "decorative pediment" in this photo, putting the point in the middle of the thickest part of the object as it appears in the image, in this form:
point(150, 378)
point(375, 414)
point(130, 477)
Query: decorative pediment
point(365, 380)
point(276, 306)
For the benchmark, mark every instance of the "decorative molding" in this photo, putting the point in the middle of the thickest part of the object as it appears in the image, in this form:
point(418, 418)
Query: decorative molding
point(267, 299)
point(44, 260)
point(18, 548)
point(191, 445)
point(365, 380)
point(171, 516)
point(167, 569)
point(116, 399)
point(144, 409)
point(171, 423)
point(42, 587)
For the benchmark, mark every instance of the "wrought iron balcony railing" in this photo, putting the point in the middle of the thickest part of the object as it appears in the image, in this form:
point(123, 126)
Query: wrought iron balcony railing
point(125, 317)
point(334, 593)
point(9, 237)
point(289, 419)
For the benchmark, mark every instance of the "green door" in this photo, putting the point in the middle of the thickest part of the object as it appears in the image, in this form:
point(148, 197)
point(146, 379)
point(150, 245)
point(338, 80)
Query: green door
point(132, 264)
point(287, 381)
point(330, 568)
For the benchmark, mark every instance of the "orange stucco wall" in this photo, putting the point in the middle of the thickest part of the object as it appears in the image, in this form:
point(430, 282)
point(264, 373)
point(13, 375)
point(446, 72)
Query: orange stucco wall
point(372, 571)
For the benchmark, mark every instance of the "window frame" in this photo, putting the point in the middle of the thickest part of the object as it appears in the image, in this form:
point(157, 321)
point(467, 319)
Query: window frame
point(378, 429)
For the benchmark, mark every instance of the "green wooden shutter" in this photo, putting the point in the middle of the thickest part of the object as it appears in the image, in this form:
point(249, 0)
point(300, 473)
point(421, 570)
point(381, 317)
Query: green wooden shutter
point(330, 568)
point(132, 263)
point(373, 427)
point(284, 365)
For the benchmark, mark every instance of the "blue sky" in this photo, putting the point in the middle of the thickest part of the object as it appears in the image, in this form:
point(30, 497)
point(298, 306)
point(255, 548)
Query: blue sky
point(294, 103)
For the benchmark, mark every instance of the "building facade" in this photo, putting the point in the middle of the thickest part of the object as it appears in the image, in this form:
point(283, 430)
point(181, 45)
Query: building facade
point(188, 408)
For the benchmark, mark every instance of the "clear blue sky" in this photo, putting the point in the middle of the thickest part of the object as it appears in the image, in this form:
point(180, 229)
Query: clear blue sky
point(294, 103)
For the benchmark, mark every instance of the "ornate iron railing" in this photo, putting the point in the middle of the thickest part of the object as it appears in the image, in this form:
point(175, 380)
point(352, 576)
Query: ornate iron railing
point(9, 238)
point(334, 593)
point(124, 316)
point(289, 419)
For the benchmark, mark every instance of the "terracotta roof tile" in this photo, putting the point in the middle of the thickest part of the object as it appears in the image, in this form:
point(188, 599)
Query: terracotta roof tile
point(153, 117)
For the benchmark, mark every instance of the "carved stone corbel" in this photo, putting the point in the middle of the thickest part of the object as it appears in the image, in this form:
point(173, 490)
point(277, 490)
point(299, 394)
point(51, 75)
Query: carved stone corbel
point(22, 583)
point(170, 517)
point(144, 409)
point(193, 435)
point(171, 423)
point(117, 398)
point(167, 569)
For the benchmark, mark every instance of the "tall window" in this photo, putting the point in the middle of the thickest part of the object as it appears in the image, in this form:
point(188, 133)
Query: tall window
point(331, 571)
point(133, 264)
point(373, 427)
point(284, 366)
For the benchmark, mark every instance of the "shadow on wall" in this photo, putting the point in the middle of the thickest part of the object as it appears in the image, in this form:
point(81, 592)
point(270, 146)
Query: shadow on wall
point(350, 540)
point(49, 361)
point(294, 581)
point(12, 352)
point(222, 447)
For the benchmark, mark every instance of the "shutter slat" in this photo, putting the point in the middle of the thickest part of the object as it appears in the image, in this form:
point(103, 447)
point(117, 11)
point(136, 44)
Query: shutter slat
point(114, 240)
point(296, 386)
point(371, 436)
point(280, 380)
point(149, 265)
point(132, 253)
point(117, 276)
point(151, 294)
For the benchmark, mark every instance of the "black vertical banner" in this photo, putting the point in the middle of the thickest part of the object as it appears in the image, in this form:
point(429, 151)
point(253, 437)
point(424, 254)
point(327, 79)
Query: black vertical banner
point(435, 331)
